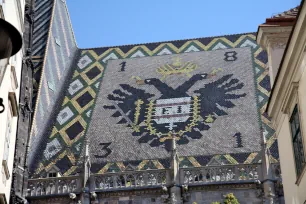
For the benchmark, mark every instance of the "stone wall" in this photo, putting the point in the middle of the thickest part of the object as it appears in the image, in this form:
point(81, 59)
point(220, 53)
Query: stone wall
point(247, 196)
point(146, 199)
point(57, 200)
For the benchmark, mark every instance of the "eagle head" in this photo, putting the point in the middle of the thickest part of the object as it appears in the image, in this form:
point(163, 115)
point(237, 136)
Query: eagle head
point(152, 81)
point(199, 76)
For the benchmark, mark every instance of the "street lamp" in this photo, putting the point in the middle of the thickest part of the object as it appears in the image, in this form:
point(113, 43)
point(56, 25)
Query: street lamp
point(10, 44)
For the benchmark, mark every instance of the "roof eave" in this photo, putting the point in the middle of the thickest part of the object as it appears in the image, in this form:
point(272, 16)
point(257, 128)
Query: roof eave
point(281, 66)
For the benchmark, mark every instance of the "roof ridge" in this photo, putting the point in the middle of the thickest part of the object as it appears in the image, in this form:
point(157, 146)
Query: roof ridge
point(70, 23)
point(167, 41)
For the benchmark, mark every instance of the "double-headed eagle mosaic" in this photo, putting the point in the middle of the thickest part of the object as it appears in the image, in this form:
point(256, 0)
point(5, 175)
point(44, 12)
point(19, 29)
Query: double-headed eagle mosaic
point(175, 114)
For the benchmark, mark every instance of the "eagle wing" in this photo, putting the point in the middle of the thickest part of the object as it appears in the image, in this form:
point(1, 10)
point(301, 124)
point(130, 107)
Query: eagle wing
point(218, 94)
point(129, 104)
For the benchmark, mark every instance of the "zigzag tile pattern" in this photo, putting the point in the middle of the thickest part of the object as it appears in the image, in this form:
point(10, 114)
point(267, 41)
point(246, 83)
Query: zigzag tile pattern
point(52, 69)
point(64, 147)
point(43, 11)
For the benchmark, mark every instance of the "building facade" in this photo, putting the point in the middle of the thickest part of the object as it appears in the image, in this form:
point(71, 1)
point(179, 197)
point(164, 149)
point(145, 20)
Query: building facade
point(284, 38)
point(170, 122)
point(37, 13)
point(10, 80)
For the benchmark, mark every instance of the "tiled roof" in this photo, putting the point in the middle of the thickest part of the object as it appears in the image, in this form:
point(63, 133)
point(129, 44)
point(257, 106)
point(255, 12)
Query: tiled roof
point(292, 13)
point(286, 18)
point(74, 78)
point(77, 111)
point(55, 48)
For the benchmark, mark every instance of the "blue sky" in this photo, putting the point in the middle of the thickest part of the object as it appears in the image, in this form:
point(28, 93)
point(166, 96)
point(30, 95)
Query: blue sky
point(100, 23)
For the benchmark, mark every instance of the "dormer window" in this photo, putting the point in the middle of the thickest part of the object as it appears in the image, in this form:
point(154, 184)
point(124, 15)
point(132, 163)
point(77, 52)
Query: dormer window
point(54, 172)
point(52, 175)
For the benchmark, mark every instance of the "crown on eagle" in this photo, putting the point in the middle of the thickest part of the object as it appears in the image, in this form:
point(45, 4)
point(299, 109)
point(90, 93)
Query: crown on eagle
point(177, 67)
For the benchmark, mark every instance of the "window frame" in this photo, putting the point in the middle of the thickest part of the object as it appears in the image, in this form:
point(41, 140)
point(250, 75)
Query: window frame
point(297, 139)
point(52, 175)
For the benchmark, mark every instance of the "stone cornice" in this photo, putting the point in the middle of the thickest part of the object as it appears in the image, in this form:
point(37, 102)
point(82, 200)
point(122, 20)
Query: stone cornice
point(278, 43)
point(224, 187)
point(273, 35)
point(155, 191)
point(159, 191)
point(61, 199)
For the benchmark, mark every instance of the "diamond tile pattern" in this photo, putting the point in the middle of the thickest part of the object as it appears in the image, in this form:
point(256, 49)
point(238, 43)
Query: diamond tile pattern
point(64, 115)
point(84, 87)
point(74, 130)
point(84, 61)
point(92, 73)
point(84, 99)
point(265, 83)
point(52, 148)
point(75, 86)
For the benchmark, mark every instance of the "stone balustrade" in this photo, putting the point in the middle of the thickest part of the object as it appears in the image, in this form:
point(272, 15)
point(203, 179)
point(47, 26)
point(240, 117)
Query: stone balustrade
point(54, 186)
point(221, 174)
point(242, 173)
point(134, 179)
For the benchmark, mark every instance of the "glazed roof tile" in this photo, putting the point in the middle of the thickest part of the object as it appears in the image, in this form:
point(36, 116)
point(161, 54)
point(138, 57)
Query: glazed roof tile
point(63, 146)
point(292, 13)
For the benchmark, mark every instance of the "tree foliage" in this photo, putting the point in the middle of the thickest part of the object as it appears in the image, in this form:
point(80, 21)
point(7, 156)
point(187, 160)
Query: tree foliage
point(229, 199)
